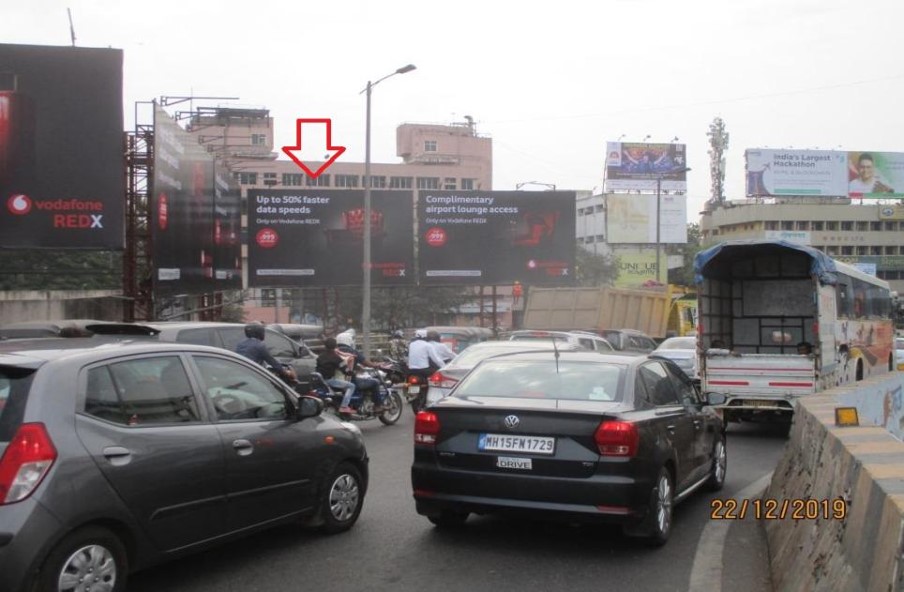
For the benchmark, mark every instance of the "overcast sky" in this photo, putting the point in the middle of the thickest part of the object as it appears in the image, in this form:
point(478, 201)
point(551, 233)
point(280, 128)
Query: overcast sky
point(551, 82)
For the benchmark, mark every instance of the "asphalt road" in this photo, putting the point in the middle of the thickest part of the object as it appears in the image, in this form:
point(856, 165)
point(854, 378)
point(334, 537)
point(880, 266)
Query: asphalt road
point(392, 548)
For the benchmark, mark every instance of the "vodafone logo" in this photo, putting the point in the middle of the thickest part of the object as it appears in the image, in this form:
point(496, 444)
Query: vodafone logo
point(266, 238)
point(19, 204)
point(436, 237)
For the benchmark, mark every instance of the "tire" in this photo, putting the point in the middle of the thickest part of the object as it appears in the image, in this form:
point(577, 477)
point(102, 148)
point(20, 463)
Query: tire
point(341, 498)
point(449, 519)
point(720, 466)
point(656, 527)
point(91, 552)
point(394, 411)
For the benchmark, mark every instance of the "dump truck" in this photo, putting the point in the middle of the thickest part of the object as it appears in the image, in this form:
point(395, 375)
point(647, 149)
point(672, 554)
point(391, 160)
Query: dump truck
point(596, 309)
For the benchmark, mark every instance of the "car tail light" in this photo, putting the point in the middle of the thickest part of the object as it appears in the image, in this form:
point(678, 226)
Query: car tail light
point(426, 427)
point(616, 438)
point(440, 380)
point(25, 461)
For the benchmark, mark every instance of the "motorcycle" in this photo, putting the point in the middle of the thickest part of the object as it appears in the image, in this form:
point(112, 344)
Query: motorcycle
point(361, 401)
point(416, 392)
point(394, 370)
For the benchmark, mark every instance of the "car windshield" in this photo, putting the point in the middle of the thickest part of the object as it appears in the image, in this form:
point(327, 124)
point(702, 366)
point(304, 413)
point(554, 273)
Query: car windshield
point(544, 379)
point(678, 343)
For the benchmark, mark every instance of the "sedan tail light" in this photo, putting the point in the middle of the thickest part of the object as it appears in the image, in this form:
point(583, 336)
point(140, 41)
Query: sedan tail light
point(440, 380)
point(617, 438)
point(426, 428)
point(25, 461)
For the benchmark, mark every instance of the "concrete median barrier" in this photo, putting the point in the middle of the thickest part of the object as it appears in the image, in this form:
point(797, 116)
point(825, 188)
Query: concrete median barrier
point(834, 512)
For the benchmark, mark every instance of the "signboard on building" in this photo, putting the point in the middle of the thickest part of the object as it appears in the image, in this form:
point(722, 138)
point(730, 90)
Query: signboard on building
point(311, 237)
point(496, 237)
point(891, 212)
point(631, 219)
point(62, 168)
point(637, 268)
point(801, 237)
point(638, 166)
point(195, 215)
point(795, 172)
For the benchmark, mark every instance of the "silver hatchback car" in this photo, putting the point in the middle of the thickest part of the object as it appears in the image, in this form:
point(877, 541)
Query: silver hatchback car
point(117, 455)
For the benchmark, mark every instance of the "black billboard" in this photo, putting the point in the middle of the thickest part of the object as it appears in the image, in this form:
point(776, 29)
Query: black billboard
point(311, 238)
point(62, 179)
point(496, 237)
point(195, 215)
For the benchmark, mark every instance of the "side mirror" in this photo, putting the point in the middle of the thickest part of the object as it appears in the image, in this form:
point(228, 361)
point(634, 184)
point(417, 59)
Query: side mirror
point(715, 398)
point(309, 407)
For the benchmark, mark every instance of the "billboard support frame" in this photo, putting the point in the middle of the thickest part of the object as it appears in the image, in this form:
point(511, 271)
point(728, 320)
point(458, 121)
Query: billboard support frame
point(137, 261)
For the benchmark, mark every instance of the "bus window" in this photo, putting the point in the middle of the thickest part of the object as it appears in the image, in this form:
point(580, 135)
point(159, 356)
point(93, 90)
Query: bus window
point(843, 297)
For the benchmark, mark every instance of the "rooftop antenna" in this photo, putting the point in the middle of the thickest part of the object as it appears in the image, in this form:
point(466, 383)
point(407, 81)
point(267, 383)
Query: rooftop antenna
point(71, 27)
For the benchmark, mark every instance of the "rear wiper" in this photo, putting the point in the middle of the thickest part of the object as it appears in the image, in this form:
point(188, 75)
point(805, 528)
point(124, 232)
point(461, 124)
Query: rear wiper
point(555, 348)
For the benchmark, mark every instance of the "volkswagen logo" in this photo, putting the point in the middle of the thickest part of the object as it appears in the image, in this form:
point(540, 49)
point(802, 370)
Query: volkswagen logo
point(511, 422)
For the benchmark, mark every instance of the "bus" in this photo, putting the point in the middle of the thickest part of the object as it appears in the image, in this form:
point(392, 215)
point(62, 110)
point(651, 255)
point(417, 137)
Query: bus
point(779, 320)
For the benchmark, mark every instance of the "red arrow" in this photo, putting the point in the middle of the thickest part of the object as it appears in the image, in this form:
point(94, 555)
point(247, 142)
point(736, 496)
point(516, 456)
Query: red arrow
point(312, 150)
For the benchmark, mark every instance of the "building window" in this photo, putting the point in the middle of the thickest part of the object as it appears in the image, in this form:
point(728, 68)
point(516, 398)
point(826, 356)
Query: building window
point(875, 250)
point(258, 139)
point(891, 226)
point(467, 184)
point(817, 226)
point(832, 250)
point(863, 250)
point(346, 180)
point(831, 225)
point(771, 225)
point(270, 179)
point(428, 182)
point(580, 211)
point(847, 250)
point(400, 182)
point(321, 181)
point(875, 226)
point(291, 179)
point(429, 145)
point(891, 250)
point(803, 225)
point(449, 184)
point(787, 225)
point(378, 182)
point(268, 297)
point(246, 178)
point(598, 208)
point(862, 226)
point(847, 225)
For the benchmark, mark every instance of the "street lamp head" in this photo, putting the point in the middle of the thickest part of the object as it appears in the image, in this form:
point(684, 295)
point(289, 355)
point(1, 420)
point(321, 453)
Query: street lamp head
point(406, 69)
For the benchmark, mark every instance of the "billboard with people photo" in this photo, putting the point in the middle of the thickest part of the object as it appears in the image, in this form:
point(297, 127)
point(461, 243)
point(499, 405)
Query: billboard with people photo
point(635, 166)
point(62, 168)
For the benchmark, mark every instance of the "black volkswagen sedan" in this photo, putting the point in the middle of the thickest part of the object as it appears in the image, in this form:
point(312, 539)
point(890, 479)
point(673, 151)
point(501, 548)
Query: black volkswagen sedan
point(575, 435)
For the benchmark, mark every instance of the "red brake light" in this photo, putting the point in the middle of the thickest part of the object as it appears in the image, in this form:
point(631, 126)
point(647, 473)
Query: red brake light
point(414, 379)
point(440, 380)
point(426, 427)
point(25, 461)
point(616, 438)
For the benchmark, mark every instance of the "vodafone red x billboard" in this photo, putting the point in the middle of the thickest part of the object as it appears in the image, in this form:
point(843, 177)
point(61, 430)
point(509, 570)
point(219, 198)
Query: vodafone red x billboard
point(62, 180)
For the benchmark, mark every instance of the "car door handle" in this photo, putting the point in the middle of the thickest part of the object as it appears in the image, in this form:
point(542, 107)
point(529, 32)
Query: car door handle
point(118, 455)
point(243, 447)
point(670, 428)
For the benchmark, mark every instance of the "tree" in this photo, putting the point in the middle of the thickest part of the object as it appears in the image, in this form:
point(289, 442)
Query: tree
point(60, 270)
point(684, 275)
point(592, 269)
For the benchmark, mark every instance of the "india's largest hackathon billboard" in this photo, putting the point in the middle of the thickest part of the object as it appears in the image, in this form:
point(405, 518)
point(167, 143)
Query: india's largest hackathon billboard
point(196, 217)
point(311, 237)
point(62, 180)
point(496, 237)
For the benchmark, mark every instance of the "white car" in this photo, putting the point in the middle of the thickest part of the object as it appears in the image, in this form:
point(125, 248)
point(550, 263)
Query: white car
point(682, 351)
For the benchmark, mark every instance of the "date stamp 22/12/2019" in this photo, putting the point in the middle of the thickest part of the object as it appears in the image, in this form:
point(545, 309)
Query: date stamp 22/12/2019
point(778, 509)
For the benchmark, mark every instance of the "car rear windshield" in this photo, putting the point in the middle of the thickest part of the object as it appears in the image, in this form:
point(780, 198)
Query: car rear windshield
point(539, 336)
point(14, 386)
point(544, 379)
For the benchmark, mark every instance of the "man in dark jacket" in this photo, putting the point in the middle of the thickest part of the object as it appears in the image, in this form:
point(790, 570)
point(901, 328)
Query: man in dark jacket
point(332, 366)
point(253, 348)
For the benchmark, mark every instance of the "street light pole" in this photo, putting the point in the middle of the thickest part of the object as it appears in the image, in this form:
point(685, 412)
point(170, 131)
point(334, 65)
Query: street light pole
point(365, 312)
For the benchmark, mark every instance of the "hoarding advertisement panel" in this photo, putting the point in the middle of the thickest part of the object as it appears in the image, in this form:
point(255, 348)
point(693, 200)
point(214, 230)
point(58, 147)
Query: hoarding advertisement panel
point(496, 237)
point(876, 175)
point(637, 166)
point(195, 230)
point(795, 172)
point(310, 238)
point(631, 219)
point(637, 269)
point(62, 179)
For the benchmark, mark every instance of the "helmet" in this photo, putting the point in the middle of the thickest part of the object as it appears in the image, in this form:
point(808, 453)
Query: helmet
point(345, 339)
point(420, 334)
point(255, 330)
point(398, 334)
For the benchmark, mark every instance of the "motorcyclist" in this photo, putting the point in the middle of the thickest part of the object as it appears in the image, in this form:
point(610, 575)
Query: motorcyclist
point(253, 348)
point(422, 357)
point(398, 348)
point(333, 368)
point(444, 352)
point(346, 344)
